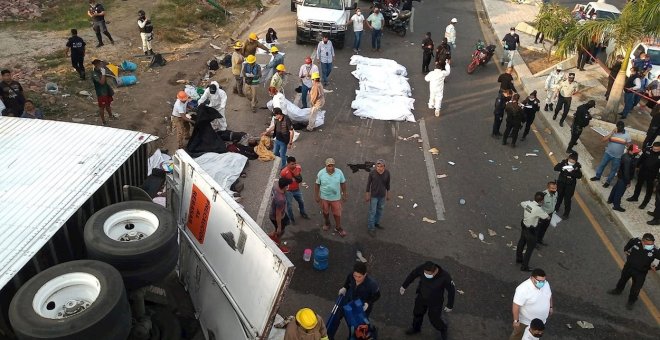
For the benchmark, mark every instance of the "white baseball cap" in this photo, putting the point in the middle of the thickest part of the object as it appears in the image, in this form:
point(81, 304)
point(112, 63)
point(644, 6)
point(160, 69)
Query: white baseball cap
point(454, 20)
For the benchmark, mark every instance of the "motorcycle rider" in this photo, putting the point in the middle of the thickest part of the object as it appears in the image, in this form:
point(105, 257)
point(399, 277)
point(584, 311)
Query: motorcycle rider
point(427, 54)
point(436, 81)
point(551, 83)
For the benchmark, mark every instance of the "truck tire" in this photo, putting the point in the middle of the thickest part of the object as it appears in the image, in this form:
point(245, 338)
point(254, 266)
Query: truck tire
point(82, 299)
point(165, 325)
point(144, 276)
point(130, 235)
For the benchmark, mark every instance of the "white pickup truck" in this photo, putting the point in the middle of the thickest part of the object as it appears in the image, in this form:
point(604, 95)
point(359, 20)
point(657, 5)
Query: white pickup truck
point(84, 254)
point(317, 17)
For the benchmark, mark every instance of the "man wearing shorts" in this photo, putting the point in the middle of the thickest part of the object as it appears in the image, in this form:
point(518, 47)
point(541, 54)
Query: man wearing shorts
point(103, 90)
point(278, 212)
point(97, 13)
point(330, 192)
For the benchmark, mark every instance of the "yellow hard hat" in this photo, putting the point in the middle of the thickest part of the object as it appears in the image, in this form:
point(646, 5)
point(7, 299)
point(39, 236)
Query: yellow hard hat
point(306, 318)
point(253, 36)
point(280, 67)
point(251, 59)
point(316, 75)
point(238, 45)
point(274, 49)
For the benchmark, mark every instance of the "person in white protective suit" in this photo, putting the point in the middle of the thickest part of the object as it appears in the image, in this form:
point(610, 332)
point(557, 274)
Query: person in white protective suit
point(551, 83)
point(217, 99)
point(436, 79)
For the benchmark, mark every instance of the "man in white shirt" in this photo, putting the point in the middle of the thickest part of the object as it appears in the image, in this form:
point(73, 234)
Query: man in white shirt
point(180, 121)
point(436, 80)
point(357, 20)
point(305, 74)
point(532, 300)
point(534, 330)
point(450, 33)
point(325, 53)
point(532, 212)
point(217, 99)
point(551, 86)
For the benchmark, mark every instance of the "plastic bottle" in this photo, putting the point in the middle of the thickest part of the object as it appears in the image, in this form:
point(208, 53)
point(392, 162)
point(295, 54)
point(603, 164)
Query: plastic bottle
point(307, 255)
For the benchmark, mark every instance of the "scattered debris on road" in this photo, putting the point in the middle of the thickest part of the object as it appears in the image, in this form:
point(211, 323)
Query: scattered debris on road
point(435, 151)
point(428, 220)
point(530, 155)
point(491, 232)
point(586, 325)
point(441, 176)
point(451, 163)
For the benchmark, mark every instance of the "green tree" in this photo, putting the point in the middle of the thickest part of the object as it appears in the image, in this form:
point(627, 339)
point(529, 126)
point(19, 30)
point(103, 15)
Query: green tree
point(554, 21)
point(637, 20)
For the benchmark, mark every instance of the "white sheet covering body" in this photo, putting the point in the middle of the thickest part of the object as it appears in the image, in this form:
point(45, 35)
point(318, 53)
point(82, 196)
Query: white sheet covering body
point(384, 92)
point(225, 168)
point(298, 115)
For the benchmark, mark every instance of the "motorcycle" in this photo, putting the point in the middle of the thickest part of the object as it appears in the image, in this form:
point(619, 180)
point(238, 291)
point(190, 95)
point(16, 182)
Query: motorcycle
point(481, 56)
point(396, 20)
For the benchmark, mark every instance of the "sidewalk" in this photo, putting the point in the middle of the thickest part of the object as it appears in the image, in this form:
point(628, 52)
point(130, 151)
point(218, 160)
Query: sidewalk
point(502, 15)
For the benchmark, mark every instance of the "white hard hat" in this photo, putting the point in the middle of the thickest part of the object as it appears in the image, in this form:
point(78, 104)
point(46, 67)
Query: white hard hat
point(559, 67)
point(454, 20)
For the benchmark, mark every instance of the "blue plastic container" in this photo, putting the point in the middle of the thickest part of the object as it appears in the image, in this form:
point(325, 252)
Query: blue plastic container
point(321, 258)
point(126, 80)
point(128, 65)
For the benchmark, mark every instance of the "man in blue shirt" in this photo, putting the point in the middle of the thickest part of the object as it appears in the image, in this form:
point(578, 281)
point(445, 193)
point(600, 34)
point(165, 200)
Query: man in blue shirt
point(375, 22)
point(325, 53)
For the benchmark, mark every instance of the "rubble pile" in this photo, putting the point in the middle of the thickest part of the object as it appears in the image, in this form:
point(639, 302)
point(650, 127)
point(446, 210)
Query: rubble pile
point(13, 10)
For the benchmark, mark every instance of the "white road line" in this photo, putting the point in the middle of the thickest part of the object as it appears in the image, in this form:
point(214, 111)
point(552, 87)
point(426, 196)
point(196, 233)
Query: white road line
point(430, 168)
point(412, 20)
point(267, 192)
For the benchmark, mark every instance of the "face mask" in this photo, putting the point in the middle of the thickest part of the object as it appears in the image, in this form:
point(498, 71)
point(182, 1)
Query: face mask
point(428, 276)
point(537, 335)
point(512, 32)
point(532, 98)
point(539, 284)
point(648, 247)
point(571, 163)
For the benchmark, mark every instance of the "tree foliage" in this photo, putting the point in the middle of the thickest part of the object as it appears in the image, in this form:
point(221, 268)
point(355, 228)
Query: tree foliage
point(554, 21)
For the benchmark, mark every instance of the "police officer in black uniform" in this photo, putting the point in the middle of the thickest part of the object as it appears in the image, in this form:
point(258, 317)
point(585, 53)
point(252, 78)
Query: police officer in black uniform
point(76, 49)
point(649, 165)
point(570, 171)
point(641, 254)
point(582, 118)
point(97, 13)
point(433, 281)
point(498, 112)
point(427, 48)
point(443, 52)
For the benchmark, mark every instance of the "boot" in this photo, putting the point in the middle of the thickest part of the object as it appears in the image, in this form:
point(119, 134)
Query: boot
point(146, 53)
point(545, 108)
point(551, 107)
point(655, 221)
point(151, 52)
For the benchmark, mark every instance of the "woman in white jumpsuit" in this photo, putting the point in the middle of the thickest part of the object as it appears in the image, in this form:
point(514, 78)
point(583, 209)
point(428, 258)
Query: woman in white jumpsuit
point(217, 99)
point(436, 79)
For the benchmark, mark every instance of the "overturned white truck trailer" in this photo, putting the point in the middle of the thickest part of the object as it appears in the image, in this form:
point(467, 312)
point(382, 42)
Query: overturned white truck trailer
point(79, 249)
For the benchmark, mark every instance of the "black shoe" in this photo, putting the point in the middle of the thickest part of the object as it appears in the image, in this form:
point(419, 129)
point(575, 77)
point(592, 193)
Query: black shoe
point(545, 108)
point(629, 305)
point(112, 41)
point(564, 216)
point(655, 221)
point(606, 184)
point(378, 226)
point(593, 179)
point(554, 117)
point(650, 213)
point(411, 331)
point(522, 139)
point(561, 123)
point(99, 45)
point(632, 199)
point(525, 269)
point(609, 201)
point(542, 243)
point(614, 292)
point(619, 209)
point(305, 216)
point(642, 206)
point(551, 106)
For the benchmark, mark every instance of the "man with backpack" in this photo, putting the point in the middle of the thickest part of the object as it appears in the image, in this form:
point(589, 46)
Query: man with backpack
point(283, 129)
point(146, 32)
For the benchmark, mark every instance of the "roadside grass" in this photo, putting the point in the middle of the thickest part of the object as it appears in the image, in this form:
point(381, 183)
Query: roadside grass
point(57, 16)
point(55, 59)
point(174, 18)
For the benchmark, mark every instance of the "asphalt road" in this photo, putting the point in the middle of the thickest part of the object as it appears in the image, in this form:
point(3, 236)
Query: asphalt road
point(579, 266)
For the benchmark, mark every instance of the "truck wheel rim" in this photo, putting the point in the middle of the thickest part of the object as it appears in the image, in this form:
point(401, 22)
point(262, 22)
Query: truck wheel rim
point(130, 225)
point(66, 295)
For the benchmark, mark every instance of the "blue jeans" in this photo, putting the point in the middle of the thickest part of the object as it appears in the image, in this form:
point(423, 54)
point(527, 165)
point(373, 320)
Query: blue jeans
point(617, 192)
point(613, 169)
point(326, 68)
point(376, 206)
point(303, 93)
point(629, 103)
point(280, 151)
point(298, 196)
point(358, 40)
point(375, 38)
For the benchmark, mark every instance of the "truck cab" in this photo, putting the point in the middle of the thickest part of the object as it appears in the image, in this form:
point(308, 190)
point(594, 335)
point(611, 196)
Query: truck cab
point(317, 17)
point(600, 10)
